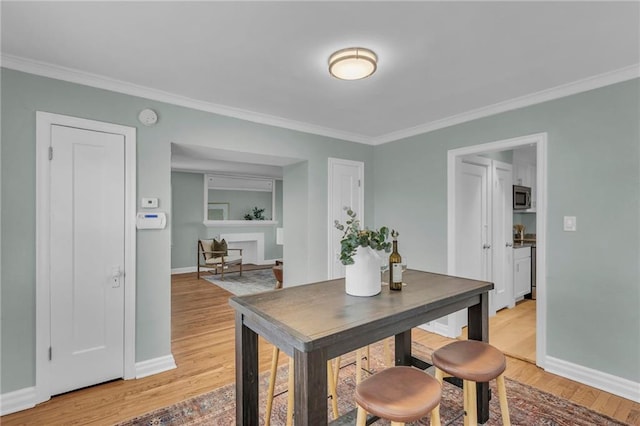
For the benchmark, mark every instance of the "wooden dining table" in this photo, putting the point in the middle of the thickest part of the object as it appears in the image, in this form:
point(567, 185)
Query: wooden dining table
point(317, 322)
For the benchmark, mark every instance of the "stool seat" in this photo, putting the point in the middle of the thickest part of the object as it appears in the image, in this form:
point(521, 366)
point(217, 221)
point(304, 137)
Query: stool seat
point(470, 360)
point(399, 394)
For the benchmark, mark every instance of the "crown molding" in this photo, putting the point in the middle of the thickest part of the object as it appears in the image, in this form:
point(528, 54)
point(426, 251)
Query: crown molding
point(586, 84)
point(95, 80)
point(71, 75)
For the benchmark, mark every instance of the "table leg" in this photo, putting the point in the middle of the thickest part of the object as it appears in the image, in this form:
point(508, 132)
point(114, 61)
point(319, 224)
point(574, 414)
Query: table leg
point(246, 374)
point(403, 348)
point(478, 321)
point(310, 408)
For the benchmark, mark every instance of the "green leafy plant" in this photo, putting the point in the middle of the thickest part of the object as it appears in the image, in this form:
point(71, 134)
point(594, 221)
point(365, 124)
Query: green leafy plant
point(355, 237)
point(256, 214)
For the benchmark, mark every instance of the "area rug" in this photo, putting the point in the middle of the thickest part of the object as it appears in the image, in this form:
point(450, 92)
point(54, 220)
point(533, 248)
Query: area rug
point(527, 405)
point(250, 282)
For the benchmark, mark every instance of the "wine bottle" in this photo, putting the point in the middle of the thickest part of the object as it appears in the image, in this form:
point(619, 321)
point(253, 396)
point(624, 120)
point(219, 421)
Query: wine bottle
point(395, 266)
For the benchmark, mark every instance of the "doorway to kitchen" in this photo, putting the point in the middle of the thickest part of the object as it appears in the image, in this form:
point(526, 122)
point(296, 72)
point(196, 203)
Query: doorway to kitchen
point(453, 324)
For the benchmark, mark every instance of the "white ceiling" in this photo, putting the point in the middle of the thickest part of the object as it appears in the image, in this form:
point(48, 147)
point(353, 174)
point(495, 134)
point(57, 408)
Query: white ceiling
point(440, 62)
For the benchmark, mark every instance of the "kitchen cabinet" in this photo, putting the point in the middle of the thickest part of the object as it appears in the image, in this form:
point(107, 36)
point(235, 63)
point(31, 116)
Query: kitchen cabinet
point(525, 171)
point(521, 271)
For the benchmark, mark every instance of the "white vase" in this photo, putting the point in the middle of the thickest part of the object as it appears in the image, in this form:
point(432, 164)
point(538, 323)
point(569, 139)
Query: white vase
point(363, 278)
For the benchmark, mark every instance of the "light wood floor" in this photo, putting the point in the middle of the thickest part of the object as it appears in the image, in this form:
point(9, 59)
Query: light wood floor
point(513, 331)
point(203, 348)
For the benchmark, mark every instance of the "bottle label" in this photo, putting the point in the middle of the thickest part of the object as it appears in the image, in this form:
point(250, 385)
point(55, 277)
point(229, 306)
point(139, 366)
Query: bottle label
point(396, 272)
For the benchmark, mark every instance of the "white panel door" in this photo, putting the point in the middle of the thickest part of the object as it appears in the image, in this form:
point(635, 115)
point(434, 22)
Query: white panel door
point(502, 241)
point(473, 229)
point(345, 190)
point(87, 258)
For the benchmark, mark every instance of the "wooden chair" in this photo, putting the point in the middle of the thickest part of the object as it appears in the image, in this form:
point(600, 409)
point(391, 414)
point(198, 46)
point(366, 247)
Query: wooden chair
point(473, 361)
point(277, 273)
point(214, 254)
point(400, 394)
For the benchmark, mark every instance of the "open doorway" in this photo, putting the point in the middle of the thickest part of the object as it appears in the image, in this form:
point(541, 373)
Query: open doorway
point(453, 324)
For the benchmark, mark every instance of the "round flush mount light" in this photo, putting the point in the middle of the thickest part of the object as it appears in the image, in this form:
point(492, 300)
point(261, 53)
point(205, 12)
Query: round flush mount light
point(353, 63)
point(148, 117)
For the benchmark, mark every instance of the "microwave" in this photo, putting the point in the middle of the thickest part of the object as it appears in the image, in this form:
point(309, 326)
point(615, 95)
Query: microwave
point(521, 197)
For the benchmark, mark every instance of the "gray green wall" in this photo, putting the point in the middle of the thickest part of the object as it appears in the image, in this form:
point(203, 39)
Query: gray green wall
point(593, 275)
point(187, 217)
point(24, 94)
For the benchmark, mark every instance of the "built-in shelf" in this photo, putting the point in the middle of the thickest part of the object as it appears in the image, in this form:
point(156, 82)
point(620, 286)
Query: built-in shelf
point(237, 223)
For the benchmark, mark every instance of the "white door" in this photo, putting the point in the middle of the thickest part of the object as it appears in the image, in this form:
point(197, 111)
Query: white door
point(473, 228)
point(87, 257)
point(346, 189)
point(502, 241)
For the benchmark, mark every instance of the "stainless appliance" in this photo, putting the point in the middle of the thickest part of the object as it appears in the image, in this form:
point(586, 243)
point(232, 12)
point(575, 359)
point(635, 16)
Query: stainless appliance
point(521, 197)
point(533, 272)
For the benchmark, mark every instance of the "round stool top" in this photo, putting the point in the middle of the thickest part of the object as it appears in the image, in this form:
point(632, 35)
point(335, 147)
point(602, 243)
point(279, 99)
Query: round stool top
point(399, 394)
point(470, 360)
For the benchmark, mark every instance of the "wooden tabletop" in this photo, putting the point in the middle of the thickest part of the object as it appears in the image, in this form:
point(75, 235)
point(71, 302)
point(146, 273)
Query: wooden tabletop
point(313, 316)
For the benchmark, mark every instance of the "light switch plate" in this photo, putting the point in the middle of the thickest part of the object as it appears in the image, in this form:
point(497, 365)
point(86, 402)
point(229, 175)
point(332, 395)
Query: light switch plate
point(149, 203)
point(570, 223)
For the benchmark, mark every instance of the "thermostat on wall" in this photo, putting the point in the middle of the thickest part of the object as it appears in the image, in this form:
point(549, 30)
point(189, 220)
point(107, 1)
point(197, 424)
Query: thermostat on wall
point(155, 220)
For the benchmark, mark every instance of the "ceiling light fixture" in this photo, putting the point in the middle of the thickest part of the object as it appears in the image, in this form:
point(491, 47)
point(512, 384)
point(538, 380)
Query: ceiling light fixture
point(353, 63)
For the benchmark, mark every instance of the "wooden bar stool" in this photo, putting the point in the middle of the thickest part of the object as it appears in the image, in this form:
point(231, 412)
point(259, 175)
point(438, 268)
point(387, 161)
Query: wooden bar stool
point(473, 361)
point(290, 392)
point(400, 394)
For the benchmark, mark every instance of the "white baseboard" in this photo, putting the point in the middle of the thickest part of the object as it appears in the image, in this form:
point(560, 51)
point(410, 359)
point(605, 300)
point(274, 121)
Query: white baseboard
point(24, 399)
point(19, 400)
point(186, 270)
point(190, 269)
point(607, 382)
point(155, 366)
point(438, 328)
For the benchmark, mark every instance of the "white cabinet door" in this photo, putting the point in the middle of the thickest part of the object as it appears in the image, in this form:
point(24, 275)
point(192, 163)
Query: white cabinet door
point(522, 272)
point(502, 219)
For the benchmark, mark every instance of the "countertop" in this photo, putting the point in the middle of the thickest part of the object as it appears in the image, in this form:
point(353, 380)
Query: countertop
point(524, 243)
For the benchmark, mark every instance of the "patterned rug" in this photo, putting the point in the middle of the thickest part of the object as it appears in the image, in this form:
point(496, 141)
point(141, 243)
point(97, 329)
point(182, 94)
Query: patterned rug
point(250, 282)
point(527, 405)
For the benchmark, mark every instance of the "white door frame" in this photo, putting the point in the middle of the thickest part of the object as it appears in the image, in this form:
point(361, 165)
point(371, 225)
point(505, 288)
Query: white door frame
point(540, 140)
point(44, 121)
point(331, 226)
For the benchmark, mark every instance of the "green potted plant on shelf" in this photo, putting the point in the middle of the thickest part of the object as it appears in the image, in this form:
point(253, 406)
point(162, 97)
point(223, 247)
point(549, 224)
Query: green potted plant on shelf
point(359, 252)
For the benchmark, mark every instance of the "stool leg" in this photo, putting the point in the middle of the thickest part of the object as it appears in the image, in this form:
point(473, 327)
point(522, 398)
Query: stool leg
point(336, 372)
point(435, 416)
point(368, 355)
point(332, 390)
point(470, 406)
point(397, 423)
point(290, 394)
point(361, 419)
point(272, 384)
point(502, 393)
point(435, 413)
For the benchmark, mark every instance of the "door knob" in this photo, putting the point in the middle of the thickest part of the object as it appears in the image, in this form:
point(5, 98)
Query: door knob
point(486, 246)
point(509, 244)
